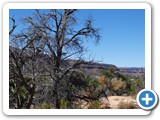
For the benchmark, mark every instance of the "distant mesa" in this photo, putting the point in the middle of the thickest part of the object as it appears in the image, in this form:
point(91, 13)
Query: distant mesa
point(95, 68)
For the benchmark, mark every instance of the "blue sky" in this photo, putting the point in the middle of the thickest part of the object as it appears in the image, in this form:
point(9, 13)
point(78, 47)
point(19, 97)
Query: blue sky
point(122, 31)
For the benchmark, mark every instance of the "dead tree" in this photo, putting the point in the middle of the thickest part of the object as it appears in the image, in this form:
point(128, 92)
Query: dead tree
point(60, 38)
point(23, 55)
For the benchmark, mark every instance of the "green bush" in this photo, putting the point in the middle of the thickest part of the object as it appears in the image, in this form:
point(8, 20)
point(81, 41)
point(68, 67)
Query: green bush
point(44, 106)
point(64, 104)
point(94, 105)
point(136, 86)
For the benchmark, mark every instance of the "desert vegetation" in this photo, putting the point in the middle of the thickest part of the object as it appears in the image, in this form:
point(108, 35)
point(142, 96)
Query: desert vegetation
point(42, 74)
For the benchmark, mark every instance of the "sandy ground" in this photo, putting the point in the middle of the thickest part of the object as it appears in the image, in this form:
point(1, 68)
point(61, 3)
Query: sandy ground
point(114, 100)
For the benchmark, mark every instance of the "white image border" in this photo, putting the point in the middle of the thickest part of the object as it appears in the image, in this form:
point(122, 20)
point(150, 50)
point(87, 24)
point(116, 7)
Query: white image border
point(8, 6)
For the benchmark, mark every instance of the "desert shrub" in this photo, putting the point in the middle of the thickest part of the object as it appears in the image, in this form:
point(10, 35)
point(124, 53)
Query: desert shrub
point(94, 105)
point(102, 80)
point(64, 103)
point(92, 81)
point(18, 94)
point(136, 86)
point(77, 82)
point(115, 81)
point(126, 105)
point(44, 106)
point(109, 73)
point(118, 85)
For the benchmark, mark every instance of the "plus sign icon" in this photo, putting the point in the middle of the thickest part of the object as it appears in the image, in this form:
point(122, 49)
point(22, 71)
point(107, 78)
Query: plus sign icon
point(147, 99)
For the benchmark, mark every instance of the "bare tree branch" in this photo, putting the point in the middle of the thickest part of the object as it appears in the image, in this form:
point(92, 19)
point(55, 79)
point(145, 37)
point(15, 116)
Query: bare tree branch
point(13, 26)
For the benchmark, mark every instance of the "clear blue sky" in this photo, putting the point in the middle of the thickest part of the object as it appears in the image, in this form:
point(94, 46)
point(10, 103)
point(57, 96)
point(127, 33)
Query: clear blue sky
point(122, 31)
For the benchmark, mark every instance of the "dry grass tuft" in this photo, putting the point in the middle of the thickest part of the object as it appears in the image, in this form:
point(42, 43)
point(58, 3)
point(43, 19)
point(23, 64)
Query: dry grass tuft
point(127, 105)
